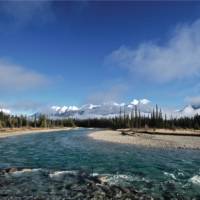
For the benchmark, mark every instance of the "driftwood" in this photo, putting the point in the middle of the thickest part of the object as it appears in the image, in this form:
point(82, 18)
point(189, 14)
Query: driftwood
point(154, 132)
point(128, 133)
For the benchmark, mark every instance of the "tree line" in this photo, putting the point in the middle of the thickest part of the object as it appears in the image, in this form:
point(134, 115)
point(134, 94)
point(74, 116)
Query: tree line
point(155, 119)
point(41, 121)
point(135, 119)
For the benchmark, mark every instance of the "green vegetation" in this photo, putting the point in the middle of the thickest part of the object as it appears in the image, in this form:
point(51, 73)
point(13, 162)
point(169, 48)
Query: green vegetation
point(131, 120)
point(136, 120)
point(10, 121)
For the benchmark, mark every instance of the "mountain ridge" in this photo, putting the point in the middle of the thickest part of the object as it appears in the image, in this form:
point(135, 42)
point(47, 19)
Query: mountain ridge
point(112, 109)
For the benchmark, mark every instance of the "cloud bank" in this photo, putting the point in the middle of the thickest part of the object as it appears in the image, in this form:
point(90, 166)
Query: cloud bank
point(111, 94)
point(16, 77)
point(21, 13)
point(178, 58)
point(193, 100)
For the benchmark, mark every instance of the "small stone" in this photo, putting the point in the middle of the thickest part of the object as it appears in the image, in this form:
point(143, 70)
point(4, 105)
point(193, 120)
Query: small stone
point(11, 170)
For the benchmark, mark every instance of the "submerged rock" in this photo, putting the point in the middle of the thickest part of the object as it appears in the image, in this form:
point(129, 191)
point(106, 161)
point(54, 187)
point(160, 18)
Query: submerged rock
point(32, 184)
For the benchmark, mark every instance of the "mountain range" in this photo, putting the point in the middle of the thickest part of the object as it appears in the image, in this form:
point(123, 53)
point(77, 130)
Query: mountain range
point(111, 109)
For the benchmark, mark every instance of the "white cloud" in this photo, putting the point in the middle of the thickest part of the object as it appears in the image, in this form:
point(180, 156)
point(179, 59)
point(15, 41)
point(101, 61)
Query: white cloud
point(15, 77)
point(144, 101)
point(135, 102)
point(193, 100)
point(20, 13)
point(140, 101)
point(111, 94)
point(27, 106)
point(178, 58)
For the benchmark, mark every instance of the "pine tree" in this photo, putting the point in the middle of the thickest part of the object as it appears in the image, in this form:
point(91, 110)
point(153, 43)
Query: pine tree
point(35, 121)
point(139, 119)
point(124, 124)
point(132, 118)
point(120, 118)
point(136, 117)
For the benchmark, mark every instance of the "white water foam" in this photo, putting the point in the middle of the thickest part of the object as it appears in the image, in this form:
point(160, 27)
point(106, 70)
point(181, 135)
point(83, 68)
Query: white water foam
point(180, 174)
point(120, 178)
point(195, 179)
point(170, 175)
point(94, 174)
point(58, 175)
point(24, 171)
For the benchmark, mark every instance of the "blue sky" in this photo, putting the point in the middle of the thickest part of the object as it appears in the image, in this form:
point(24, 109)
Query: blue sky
point(71, 53)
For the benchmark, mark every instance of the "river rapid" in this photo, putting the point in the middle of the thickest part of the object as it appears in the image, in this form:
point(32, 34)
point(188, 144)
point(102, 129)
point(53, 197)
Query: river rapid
point(162, 173)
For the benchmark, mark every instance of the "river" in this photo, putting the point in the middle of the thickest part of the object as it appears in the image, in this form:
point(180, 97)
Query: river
point(154, 171)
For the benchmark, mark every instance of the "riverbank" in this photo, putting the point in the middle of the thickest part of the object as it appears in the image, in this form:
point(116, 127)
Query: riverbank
point(148, 139)
point(8, 132)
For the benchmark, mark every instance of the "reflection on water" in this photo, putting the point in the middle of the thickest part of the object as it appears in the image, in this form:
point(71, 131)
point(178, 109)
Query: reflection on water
point(152, 170)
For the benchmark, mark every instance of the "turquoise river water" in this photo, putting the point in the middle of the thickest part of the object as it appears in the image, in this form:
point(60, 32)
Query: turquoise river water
point(155, 171)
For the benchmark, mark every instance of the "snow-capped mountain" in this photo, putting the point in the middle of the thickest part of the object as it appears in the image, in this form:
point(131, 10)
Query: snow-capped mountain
point(112, 109)
point(188, 111)
point(104, 110)
point(64, 109)
point(4, 110)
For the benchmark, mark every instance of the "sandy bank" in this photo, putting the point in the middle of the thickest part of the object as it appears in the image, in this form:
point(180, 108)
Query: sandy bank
point(22, 131)
point(142, 139)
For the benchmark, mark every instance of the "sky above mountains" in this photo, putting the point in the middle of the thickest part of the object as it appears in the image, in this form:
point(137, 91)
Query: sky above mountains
point(71, 53)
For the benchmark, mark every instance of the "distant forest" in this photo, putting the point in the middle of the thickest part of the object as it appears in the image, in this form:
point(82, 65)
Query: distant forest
point(123, 120)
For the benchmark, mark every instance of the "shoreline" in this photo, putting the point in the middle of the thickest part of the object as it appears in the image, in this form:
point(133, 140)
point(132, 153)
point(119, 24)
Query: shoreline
point(148, 140)
point(9, 132)
point(161, 131)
